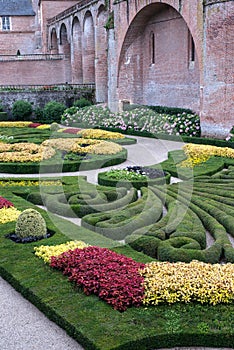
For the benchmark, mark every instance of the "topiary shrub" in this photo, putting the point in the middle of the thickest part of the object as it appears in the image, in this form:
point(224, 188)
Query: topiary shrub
point(30, 223)
point(53, 111)
point(82, 102)
point(54, 127)
point(22, 110)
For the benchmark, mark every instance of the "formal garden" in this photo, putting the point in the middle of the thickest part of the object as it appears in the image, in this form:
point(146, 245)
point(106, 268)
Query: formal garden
point(151, 263)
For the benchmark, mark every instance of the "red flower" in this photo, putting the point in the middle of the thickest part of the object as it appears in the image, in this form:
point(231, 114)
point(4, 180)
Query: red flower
point(34, 125)
point(71, 130)
point(5, 203)
point(113, 277)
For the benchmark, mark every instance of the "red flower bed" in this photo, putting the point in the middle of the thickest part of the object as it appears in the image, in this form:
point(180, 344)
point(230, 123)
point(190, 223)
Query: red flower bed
point(34, 125)
point(71, 130)
point(111, 276)
point(5, 203)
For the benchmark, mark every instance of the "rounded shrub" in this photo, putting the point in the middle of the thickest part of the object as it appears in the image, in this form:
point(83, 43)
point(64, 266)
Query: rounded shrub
point(22, 110)
point(82, 102)
point(30, 223)
point(54, 127)
point(53, 111)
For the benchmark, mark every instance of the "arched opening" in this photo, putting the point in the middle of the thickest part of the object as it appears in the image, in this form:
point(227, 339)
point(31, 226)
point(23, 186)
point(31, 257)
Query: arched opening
point(76, 52)
point(154, 64)
point(101, 56)
point(88, 49)
point(53, 42)
point(64, 48)
point(63, 40)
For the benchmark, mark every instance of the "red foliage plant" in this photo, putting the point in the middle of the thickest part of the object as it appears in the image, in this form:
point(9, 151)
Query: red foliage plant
point(34, 125)
point(71, 130)
point(5, 203)
point(113, 277)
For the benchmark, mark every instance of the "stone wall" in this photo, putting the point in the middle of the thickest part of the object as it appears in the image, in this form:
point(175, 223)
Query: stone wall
point(40, 98)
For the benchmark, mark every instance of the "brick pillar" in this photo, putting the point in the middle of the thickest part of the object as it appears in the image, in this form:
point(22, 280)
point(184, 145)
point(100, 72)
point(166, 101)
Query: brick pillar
point(217, 92)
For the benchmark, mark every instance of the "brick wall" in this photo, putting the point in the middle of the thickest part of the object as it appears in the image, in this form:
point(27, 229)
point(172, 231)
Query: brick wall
point(160, 71)
point(32, 72)
point(217, 112)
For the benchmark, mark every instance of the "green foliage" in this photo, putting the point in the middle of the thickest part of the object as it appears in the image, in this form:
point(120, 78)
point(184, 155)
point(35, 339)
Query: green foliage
point(22, 110)
point(82, 102)
point(53, 111)
point(54, 127)
point(30, 223)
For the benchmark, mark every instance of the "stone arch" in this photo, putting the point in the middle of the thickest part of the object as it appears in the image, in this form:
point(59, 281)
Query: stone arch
point(63, 39)
point(53, 41)
point(172, 80)
point(65, 48)
point(88, 44)
point(101, 70)
point(76, 52)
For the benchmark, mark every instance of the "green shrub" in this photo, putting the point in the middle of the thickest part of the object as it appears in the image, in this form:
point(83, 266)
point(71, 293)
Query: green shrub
point(82, 102)
point(30, 223)
point(54, 127)
point(52, 111)
point(22, 110)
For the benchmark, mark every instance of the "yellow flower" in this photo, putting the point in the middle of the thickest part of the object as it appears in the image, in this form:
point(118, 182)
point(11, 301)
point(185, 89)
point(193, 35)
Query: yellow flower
point(100, 134)
point(46, 252)
point(8, 214)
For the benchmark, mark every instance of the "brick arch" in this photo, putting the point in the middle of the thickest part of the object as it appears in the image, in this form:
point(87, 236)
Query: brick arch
point(53, 41)
point(88, 44)
point(172, 79)
point(76, 51)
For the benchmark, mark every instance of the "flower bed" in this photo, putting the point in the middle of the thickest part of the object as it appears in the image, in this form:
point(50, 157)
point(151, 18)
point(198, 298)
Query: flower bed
point(134, 176)
point(139, 119)
point(116, 278)
point(197, 154)
point(8, 212)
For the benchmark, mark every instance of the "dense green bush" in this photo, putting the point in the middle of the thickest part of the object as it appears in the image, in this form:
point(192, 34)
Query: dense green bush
point(82, 102)
point(30, 223)
point(22, 110)
point(53, 111)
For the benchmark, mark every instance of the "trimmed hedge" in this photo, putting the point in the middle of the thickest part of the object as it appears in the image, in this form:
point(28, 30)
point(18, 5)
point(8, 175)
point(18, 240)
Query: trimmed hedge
point(119, 223)
point(54, 166)
point(104, 179)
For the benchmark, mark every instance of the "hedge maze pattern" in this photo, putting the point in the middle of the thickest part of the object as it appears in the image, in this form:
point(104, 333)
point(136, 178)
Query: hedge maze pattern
point(167, 222)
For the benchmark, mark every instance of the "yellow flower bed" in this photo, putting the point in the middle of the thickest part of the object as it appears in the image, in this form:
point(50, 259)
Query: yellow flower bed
point(60, 143)
point(43, 126)
point(166, 282)
point(29, 183)
point(24, 152)
point(8, 214)
point(197, 154)
point(45, 252)
point(91, 146)
point(14, 124)
point(100, 134)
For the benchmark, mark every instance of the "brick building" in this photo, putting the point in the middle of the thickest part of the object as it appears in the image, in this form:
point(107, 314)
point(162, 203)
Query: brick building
point(171, 52)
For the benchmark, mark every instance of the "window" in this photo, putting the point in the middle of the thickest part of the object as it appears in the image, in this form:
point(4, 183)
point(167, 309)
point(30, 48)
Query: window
point(152, 48)
point(192, 50)
point(6, 23)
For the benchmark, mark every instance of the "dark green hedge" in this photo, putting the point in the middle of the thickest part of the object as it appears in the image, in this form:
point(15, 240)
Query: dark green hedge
point(104, 179)
point(53, 166)
point(120, 223)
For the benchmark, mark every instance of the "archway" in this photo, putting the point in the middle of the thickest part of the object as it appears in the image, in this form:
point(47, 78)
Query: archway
point(76, 52)
point(158, 62)
point(53, 42)
point(88, 49)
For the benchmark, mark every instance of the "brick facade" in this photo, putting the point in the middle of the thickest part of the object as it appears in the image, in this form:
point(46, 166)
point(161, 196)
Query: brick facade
point(171, 52)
